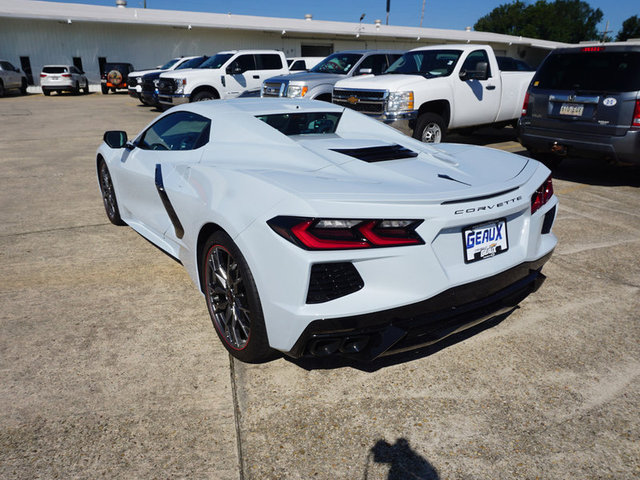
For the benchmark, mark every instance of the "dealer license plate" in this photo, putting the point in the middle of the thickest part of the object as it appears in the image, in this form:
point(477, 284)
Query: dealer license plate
point(572, 109)
point(484, 241)
point(54, 78)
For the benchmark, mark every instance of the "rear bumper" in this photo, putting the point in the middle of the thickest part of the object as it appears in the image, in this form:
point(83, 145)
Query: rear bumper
point(624, 148)
point(367, 337)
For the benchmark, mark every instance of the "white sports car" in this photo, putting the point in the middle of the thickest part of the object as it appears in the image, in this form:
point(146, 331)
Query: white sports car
point(315, 230)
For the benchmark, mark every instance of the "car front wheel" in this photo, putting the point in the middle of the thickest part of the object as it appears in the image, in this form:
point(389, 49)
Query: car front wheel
point(233, 301)
point(109, 195)
point(430, 128)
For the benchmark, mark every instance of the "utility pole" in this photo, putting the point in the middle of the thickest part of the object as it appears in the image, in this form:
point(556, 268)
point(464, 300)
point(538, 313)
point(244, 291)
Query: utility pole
point(422, 16)
point(388, 7)
point(606, 30)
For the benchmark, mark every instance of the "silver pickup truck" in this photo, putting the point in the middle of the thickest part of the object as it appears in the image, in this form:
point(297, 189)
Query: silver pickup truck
point(317, 83)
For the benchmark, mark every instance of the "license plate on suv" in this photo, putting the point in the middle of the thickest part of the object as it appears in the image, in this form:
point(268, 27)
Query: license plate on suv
point(572, 109)
point(484, 241)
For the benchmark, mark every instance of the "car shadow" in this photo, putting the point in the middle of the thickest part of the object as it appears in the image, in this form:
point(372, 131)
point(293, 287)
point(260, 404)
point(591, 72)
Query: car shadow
point(404, 463)
point(335, 362)
point(484, 136)
point(597, 172)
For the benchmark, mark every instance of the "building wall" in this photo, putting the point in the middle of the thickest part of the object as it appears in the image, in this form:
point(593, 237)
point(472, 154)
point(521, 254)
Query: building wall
point(145, 46)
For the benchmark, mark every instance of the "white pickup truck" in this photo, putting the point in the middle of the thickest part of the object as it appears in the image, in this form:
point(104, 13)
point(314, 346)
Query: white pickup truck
point(431, 90)
point(225, 75)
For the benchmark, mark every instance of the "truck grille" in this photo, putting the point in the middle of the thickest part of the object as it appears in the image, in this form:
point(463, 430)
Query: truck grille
point(133, 81)
point(274, 89)
point(371, 102)
point(166, 86)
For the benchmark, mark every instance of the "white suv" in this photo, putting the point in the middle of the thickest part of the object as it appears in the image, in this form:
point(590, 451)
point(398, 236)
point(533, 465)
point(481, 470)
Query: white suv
point(59, 78)
point(225, 75)
point(11, 77)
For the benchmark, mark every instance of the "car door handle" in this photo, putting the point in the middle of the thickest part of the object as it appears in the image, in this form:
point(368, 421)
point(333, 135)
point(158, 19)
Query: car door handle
point(491, 87)
point(256, 76)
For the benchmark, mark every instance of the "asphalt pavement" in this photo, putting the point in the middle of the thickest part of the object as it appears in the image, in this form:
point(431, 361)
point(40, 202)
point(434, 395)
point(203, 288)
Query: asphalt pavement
point(110, 367)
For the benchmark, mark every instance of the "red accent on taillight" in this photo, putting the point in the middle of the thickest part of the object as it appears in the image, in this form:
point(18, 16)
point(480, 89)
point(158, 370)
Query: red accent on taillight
point(301, 231)
point(42, 75)
point(525, 104)
point(66, 75)
point(542, 196)
point(379, 239)
point(635, 122)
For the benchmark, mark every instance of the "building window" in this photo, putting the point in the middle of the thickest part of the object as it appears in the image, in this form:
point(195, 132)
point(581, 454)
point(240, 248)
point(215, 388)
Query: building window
point(77, 62)
point(316, 50)
point(25, 64)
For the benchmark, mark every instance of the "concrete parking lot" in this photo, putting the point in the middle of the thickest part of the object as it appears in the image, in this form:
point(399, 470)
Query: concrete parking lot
point(110, 367)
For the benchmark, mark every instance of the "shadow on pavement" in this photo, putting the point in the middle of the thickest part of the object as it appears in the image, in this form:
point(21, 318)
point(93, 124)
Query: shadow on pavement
point(331, 363)
point(403, 461)
point(484, 136)
point(597, 172)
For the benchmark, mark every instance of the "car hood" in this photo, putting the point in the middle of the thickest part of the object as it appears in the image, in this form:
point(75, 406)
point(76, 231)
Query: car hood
point(308, 77)
point(392, 82)
point(311, 168)
point(140, 73)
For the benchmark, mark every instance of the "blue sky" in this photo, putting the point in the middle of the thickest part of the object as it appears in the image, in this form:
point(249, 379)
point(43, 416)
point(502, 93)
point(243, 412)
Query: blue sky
point(450, 14)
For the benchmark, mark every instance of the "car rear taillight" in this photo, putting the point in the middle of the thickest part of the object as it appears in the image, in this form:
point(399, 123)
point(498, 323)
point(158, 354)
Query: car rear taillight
point(342, 234)
point(542, 195)
point(66, 75)
point(525, 104)
point(635, 122)
point(42, 75)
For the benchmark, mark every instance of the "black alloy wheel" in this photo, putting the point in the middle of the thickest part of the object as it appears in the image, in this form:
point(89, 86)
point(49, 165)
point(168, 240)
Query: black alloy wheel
point(233, 301)
point(109, 195)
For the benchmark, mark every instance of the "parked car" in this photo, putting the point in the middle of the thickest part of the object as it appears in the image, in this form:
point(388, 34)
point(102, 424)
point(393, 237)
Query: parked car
point(63, 78)
point(317, 83)
point(135, 78)
point(585, 101)
point(225, 75)
point(314, 230)
point(149, 82)
point(302, 64)
point(115, 75)
point(432, 90)
point(11, 78)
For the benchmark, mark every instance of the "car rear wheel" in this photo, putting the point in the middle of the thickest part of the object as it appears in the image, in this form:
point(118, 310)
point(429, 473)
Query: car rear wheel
point(233, 301)
point(86, 87)
point(76, 89)
point(430, 128)
point(46, 92)
point(1, 89)
point(109, 195)
point(23, 87)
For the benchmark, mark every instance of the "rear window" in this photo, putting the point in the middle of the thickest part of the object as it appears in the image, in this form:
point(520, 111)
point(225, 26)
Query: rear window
point(311, 123)
point(590, 71)
point(268, 61)
point(54, 69)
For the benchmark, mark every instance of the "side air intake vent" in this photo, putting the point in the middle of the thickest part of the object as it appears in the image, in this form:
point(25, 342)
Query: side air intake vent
point(378, 154)
point(333, 280)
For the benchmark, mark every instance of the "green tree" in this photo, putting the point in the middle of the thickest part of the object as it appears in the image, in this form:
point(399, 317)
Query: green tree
point(630, 29)
point(569, 21)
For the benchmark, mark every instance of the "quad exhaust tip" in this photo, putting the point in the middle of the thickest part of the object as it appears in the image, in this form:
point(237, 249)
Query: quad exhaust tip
point(346, 345)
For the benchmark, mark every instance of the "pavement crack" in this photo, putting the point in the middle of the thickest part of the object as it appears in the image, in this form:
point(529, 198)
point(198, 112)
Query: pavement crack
point(236, 415)
point(59, 229)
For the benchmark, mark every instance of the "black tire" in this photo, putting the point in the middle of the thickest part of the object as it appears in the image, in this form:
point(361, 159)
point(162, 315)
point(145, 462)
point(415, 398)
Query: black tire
point(430, 128)
point(109, 195)
point(23, 87)
point(233, 300)
point(46, 93)
point(86, 87)
point(202, 96)
point(1, 89)
point(76, 89)
point(105, 90)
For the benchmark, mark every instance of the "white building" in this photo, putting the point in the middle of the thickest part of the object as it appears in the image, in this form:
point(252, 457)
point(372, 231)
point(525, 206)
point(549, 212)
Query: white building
point(36, 33)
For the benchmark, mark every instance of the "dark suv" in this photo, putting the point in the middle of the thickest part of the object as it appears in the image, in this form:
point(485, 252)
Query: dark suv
point(584, 101)
point(115, 76)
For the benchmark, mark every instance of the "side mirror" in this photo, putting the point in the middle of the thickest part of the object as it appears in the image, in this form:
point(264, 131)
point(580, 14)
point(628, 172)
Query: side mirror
point(481, 72)
point(234, 69)
point(365, 71)
point(115, 138)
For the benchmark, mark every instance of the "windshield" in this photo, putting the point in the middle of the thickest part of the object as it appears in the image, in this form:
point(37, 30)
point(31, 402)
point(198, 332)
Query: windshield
point(340, 63)
point(193, 63)
point(590, 71)
point(169, 64)
point(217, 60)
point(430, 63)
point(313, 123)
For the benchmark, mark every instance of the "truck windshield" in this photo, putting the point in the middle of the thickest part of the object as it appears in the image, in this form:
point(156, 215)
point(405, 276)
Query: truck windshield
point(314, 123)
point(217, 60)
point(340, 63)
point(590, 71)
point(429, 63)
point(193, 63)
point(169, 64)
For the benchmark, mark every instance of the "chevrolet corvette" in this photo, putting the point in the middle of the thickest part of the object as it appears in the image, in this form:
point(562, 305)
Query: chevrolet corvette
point(314, 230)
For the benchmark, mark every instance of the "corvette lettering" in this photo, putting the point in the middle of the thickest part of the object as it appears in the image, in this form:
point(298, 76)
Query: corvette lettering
point(487, 207)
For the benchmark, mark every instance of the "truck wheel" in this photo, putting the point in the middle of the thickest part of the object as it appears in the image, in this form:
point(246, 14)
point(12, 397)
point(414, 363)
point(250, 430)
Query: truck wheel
point(202, 96)
point(105, 89)
point(430, 128)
